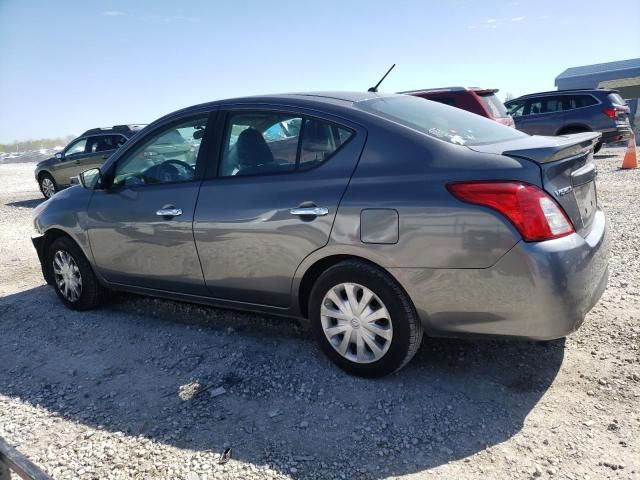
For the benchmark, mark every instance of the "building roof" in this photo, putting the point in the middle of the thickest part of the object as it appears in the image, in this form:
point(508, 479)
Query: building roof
point(585, 76)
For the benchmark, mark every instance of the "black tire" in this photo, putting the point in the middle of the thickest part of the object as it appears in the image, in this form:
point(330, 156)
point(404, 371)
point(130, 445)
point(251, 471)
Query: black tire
point(597, 148)
point(47, 177)
point(569, 131)
point(92, 294)
point(407, 328)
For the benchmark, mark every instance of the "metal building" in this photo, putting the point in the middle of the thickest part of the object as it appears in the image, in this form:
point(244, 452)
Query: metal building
point(623, 75)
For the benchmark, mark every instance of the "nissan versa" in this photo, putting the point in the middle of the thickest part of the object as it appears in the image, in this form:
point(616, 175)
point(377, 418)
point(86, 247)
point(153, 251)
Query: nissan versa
point(375, 217)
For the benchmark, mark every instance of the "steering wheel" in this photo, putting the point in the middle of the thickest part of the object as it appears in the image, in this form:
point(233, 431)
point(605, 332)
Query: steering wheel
point(185, 165)
point(170, 170)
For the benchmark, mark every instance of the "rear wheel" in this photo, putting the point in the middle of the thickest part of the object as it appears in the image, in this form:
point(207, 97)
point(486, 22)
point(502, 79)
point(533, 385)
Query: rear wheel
point(74, 280)
point(571, 130)
point(363, 319)
point(48, 185)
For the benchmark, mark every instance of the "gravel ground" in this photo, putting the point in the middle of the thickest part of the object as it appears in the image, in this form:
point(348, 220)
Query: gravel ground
point(147, 388)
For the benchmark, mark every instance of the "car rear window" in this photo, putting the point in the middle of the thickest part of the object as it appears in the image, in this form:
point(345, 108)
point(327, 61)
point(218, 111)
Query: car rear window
point(440, 121)
point(616, 99)
point(493, 103)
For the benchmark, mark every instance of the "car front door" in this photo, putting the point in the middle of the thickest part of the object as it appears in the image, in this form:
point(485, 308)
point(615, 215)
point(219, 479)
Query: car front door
point(279, 182)
point(140, 223)
point(543, 115)
point(68, 162)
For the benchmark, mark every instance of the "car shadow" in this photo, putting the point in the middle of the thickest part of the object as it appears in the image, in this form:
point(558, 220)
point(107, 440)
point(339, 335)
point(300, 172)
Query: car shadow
point(32, 203)
point(154, 368)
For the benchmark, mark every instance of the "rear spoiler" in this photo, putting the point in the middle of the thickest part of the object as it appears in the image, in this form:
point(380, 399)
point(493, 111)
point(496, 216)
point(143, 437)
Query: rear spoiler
point(550, 149)
point(486, 91)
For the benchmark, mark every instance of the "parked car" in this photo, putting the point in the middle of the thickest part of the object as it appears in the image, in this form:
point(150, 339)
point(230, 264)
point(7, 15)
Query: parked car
point(373, 222)
point(87, 151)
point(562, 112)
point(482, 101)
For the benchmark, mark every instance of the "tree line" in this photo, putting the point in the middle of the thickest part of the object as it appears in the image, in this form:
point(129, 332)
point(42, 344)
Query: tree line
point(35, 144)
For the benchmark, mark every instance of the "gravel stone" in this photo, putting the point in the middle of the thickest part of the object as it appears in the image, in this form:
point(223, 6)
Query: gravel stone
point(153, 389)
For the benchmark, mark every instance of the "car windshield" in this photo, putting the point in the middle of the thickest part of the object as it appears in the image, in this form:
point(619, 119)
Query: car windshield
point(440, 121)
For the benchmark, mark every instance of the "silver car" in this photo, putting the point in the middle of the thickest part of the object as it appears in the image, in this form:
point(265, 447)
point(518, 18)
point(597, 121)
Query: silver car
point(372, 217)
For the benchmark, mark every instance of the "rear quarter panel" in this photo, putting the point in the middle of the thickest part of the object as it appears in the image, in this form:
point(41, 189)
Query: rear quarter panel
point(586, 118)
point(407, 171)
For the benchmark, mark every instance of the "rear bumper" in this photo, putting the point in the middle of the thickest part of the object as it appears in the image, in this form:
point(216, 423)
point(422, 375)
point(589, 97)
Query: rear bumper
point(538, 291)
point(618, 134)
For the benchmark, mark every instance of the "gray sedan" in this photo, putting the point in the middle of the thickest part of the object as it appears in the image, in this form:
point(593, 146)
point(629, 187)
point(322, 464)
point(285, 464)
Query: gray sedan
point(372, 217)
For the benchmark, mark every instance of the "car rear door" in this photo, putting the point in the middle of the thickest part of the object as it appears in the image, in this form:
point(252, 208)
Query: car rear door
point(256, 220)
point(140, 226)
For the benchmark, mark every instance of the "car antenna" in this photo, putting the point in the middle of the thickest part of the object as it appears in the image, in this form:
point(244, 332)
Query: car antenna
point(375, 89)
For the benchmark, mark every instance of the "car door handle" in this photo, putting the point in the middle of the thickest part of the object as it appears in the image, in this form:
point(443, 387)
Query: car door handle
point(169, 212)
point(309, 211)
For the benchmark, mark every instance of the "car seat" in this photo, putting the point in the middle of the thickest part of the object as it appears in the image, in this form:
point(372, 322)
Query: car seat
point(253, 152)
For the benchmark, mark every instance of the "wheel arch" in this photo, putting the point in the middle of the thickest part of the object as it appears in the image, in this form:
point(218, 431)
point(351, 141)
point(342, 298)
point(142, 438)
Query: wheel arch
point(49, 237)
point(320, 265)
point(574, 127)
point(44, 172)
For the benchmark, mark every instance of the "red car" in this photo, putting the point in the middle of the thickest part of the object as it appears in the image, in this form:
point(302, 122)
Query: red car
point(482, 101)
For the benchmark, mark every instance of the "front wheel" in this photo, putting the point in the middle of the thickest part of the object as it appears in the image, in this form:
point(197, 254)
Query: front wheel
point(48, 185)
point(363, 320)
point(74, 281)
point(597, 148)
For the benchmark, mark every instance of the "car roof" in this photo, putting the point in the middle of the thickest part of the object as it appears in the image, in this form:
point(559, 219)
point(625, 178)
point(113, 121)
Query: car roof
point(331, 97)
point(332, 101)
point(452, 89)
point(122, 129)
point(566, 92)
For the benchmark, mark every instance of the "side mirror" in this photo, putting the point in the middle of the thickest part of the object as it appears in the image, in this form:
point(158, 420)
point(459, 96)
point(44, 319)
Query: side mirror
point(59, 155)
point(90, 179)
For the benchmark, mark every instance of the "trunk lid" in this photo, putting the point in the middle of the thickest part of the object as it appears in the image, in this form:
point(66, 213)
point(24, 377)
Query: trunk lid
point(567, 167)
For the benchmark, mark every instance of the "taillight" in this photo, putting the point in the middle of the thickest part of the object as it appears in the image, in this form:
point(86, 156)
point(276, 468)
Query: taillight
point(530, 209)
point(612, 113)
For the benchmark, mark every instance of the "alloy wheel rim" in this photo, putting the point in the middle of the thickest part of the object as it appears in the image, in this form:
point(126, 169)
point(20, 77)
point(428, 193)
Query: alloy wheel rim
point(356, 323)
point(67, 276)
point(48, 188)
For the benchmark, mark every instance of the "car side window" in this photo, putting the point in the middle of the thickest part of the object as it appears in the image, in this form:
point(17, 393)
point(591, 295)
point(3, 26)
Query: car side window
point(103, 143)
point(259, 143)
point(516, 109)
point(168, 156)
point(320, 141)
point(99, 143)
point(76, 148)
point(579, 101)
point(533, 107)
point(552, 104)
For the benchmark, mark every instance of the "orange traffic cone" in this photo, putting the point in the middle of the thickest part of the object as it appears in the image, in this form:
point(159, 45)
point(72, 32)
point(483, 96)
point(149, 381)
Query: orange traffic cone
point(631, 157)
